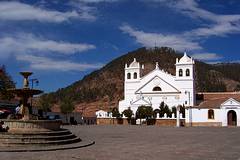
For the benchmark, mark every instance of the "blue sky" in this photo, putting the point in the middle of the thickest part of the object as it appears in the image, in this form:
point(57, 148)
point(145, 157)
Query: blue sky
point(61, 41)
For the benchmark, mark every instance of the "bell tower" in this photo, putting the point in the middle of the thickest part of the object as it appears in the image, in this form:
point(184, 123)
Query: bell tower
point(132, 73)
point(185, 78)
point(132, 78)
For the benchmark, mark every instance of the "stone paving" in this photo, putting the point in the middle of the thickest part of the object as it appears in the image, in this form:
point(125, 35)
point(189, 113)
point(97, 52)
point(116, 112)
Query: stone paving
point(145, 143)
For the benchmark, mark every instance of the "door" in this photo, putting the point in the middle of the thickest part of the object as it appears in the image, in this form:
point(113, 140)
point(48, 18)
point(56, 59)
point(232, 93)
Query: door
point(232, 118)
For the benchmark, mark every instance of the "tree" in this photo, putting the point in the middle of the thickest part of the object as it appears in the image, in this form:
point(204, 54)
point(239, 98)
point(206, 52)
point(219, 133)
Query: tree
point(167, 111)
point(182, 110)
point(164, 109)
point(115, 113)
point(237, 88)
point(128, 113)
point(45, 103)
point(66, 106)
point(5, 84)
point(155, 112)
point(144, 112)
point(174, 110)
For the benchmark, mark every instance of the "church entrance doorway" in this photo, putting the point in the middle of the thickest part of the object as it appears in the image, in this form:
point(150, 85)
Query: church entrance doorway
point(232, 118)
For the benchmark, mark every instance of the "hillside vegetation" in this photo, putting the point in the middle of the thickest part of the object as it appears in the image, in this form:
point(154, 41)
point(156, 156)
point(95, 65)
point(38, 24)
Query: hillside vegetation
point(104, 87)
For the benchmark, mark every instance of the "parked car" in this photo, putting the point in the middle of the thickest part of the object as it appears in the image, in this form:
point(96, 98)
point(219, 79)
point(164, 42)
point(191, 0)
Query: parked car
point(4, 113)
point(53, 117)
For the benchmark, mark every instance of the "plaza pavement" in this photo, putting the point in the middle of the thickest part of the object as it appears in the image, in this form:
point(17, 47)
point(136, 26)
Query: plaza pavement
point(114, 142)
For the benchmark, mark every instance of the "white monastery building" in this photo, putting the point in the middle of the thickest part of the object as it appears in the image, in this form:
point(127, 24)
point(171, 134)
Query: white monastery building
point(159, 86)
point(213, 109)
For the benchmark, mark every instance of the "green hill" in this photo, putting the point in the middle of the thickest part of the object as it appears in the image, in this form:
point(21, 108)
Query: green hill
point(104, 87)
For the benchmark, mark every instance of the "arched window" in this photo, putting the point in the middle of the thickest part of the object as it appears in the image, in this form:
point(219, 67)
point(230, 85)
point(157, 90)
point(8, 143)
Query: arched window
point(180, 73)
point(135, 75)
point(187, 72)
point(157, 88)
point(129, 76)
point(210, 114)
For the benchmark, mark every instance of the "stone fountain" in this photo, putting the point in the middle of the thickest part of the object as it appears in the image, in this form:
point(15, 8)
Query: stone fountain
point(25, 93)
point(29, 131)
point(29, 122)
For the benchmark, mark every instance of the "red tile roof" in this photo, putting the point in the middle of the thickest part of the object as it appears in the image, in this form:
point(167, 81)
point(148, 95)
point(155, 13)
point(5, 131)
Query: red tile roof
point(215, 99)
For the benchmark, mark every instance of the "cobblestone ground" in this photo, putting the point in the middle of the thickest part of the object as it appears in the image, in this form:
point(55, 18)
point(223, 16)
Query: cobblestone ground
point(145, 143)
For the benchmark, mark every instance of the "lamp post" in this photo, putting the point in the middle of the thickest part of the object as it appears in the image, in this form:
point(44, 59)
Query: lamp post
point(190, 109)
point(35, 80)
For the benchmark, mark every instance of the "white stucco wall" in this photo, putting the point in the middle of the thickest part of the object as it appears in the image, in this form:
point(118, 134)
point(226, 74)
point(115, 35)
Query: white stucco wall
point(103, 114)
point(201, 115)
point(175, 90)
point(196, 115)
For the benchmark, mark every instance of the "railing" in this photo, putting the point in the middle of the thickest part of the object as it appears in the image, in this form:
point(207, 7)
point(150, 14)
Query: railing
point(109, 115)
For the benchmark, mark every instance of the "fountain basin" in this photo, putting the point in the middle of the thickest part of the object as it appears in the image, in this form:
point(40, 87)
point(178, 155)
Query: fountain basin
point(25, 126)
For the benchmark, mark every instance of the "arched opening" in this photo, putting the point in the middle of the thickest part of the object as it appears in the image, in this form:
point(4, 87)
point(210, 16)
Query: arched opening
point(187, 72)
point(180, 73)
point(210, 114)
point(157, 88)
point(232, 118)
point(135, 75)
point(129, 76)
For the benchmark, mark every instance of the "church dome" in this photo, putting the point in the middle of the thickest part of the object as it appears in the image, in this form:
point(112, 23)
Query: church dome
point(185, 59)
point(134, 63)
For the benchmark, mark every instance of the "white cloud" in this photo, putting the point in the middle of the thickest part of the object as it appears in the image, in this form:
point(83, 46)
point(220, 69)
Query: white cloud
point(177, 42)
point(28, 43)
point(206, 56)
point(212, 24)
point(222, 29)
point(36, 51)
point(43, 63)
point(217, 24)
point(97, 1)
point(17, 11)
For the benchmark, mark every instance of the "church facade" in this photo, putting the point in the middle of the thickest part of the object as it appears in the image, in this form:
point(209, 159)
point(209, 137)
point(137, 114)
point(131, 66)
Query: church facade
point(159, 86)
point(213, 109)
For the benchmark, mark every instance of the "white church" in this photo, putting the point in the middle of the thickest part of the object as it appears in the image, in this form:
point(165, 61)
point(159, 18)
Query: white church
point(215, 109)
point(159, 86)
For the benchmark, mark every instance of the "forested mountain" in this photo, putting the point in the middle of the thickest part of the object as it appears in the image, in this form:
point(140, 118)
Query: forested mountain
point(104, 87)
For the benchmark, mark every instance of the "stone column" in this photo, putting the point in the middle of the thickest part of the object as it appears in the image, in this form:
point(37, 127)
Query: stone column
point(178, 116)
point(158, 116)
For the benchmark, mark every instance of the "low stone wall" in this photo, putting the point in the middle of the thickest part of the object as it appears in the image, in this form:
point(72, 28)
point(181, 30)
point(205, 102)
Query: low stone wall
point(158, 122)
point(111, 121)
point(32, 125)
point(206, 124)
point(165, 122)
point(169, 122)
point(104, 121)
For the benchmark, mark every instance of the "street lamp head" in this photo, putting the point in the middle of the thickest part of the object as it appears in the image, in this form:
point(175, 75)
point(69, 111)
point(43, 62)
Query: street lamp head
point(37, 82)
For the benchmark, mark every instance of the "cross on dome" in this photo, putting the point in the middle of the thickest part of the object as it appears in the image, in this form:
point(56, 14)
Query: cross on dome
point(134, 64)
point(185, 59)
point(157, 66)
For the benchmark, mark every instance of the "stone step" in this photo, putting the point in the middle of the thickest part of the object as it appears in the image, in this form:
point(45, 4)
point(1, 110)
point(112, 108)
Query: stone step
point(10, 135)
point(48, 133)
point(57, 142)
point(35, 138)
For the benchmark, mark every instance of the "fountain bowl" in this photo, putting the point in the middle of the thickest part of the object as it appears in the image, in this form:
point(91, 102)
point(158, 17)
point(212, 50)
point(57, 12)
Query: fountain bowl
point(25, 126)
